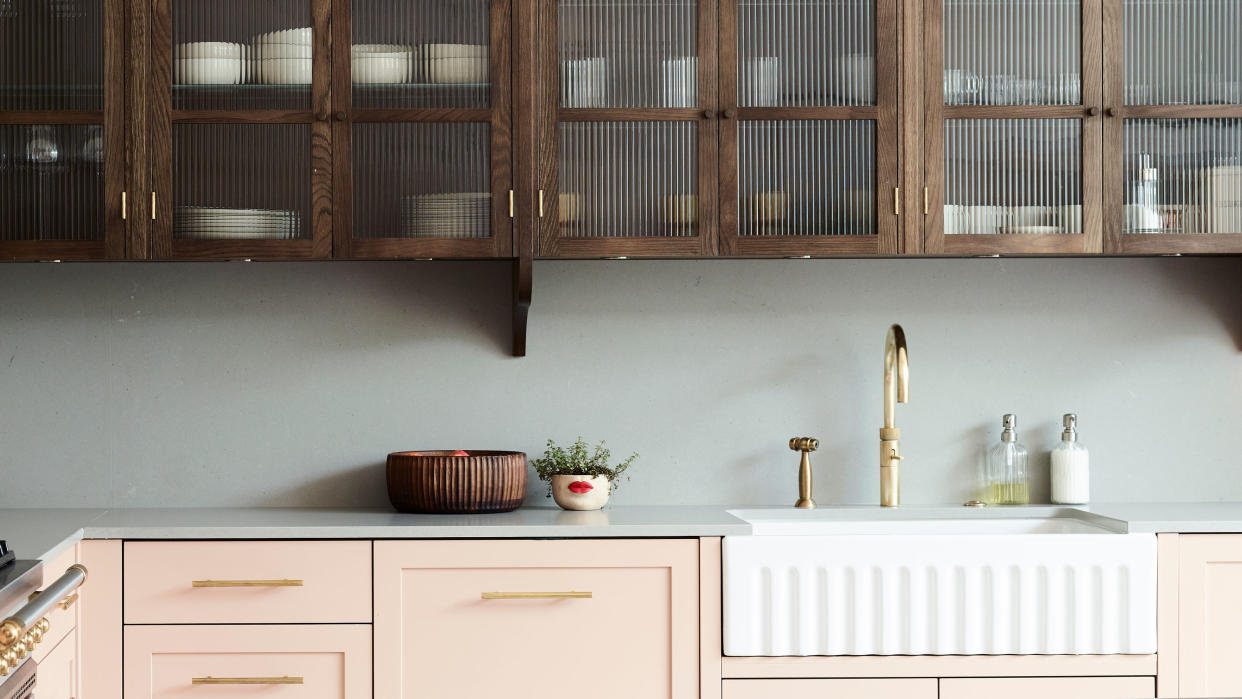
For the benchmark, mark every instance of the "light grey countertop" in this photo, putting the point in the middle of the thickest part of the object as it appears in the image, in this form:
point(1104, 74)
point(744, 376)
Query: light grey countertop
point(44, 533)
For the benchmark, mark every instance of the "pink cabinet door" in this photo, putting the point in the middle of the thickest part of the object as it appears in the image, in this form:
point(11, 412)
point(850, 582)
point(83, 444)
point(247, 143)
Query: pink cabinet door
point(1045, 687)
point(58, 671)
point(919, 688)
point(247, 582)
point(605, 619)
point(1210, 616)
point(311, 661)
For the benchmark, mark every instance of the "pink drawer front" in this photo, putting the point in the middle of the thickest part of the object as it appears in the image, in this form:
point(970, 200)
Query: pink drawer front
point(272, 662)
point(232, 582)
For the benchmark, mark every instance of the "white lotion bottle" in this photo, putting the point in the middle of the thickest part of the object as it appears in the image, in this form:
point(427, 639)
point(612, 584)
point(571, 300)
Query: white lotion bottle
point(1071, 470)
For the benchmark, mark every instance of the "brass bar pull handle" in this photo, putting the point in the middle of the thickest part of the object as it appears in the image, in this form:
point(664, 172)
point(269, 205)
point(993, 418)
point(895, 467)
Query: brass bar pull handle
point(152, 206)
point(897, 201)
point(537, 595)
point(926, 202)
point(247, 583)
point(67, 602)
point(512, 204)
point(541, 203)
point(246, 680)
point(124, 206)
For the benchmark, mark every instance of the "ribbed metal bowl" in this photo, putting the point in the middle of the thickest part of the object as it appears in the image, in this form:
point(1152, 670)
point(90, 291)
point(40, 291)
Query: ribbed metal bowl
point(436, 482)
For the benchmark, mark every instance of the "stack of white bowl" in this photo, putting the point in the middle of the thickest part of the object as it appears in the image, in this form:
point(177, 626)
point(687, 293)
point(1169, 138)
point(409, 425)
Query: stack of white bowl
point(285, 57)
point(456, 63)
point(381, 63)
point(214, 223)
point(208, 63)
point(448, 215)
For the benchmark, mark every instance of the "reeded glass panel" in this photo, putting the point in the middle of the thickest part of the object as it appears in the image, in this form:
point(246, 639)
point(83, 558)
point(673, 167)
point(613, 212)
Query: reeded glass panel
point(806, 178)
point(629, 53)
point(408, 55)
point(51, 182)
point(422, 180)
point(241, 181)
point(629, 179)
point(1013, 176)
point(245, 55)
point(1013, 52)
point(51, 54)
point(806, 53)
point(1183, 52)
point(1183, 175)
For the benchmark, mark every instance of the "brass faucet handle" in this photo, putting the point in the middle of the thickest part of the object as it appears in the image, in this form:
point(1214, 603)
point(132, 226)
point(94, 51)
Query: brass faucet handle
point(803, 444)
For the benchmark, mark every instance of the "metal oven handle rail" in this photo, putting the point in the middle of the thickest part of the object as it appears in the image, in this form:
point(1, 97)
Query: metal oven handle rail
point(23, 620)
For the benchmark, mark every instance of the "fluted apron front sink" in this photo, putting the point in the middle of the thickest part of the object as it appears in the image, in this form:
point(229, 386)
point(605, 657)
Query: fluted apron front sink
point(936, 587)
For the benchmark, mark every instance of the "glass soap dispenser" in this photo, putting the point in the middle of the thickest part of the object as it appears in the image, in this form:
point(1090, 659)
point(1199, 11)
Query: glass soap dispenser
point(1005, 478)
point(1070, 467)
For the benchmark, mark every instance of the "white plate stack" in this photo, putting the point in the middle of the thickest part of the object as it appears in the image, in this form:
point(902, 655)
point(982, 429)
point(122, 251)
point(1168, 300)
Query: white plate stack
point(208, 63)
point(582, 82)
point(380, 64)
point(212, 223)
point(450, 215)
point(456, 63)
point(285, 57)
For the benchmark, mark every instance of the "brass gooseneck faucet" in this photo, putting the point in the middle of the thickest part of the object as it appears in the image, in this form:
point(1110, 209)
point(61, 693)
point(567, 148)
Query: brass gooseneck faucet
point(896, 390)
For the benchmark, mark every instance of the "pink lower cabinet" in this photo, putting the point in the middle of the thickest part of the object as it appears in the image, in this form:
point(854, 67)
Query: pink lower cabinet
point(58, 670)
point(606, 619)
point(1045, 687)
point(306, 661)
point(918, 688)
point(1210, 615)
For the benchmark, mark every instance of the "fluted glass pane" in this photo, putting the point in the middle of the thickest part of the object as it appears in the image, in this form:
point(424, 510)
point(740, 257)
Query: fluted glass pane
point(1183, 175)
point(1013, 176)
point(51, 182)
point(422, 180)
point(629, 53)
point(1183, 52)
point(629, 179)
point(51, 54)
point(241, 181)
point(803, 53)
point(408, 55)
point(806, 178)
point(245, 55)
point(1008, 52)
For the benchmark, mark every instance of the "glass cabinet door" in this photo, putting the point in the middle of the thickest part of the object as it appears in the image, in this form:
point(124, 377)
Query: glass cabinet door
point(423, 141)
point(1013, 92)
point(62, 166)
point(627, 128)
point(1175, 127)
point(809, 92)
point(241, 139)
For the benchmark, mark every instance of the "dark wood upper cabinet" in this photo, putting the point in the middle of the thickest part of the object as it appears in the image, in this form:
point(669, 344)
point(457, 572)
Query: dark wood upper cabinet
point(62, 141)
point(1173, 127)
point(808, 143)
point(1013, 126)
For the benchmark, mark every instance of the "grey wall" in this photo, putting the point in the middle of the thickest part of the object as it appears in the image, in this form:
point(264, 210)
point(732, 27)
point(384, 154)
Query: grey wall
point(286, 384)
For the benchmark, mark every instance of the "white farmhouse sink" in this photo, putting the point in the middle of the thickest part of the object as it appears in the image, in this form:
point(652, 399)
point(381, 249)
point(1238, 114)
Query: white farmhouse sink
point(839, 581)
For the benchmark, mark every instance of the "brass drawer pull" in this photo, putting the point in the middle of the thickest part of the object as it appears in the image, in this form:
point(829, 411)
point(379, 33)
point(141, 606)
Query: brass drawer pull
point(246, 583)
point(536, 595)
point(67, 602)
point(246, 680)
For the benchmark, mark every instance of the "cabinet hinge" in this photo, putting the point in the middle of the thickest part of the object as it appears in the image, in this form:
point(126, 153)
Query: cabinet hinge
point(512, 205)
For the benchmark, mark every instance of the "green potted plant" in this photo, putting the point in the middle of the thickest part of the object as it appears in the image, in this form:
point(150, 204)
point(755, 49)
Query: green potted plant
point(577, 478)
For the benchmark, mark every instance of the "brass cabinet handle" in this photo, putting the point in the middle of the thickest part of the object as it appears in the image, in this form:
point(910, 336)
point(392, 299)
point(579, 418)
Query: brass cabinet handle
point(246, 583)
point(541, 203)
point(537, 595)
point(896, 201)
point(124, 206)
point(246, 680)
point(926, 202)
point(512, 204)
point(67, 602)
point(152, 206)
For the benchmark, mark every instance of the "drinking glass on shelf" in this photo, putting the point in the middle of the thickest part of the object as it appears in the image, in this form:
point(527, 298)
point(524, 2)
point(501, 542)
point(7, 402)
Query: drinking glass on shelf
point(762, 82)
point(1067, 88)
point(681, 81)
point(961, 86)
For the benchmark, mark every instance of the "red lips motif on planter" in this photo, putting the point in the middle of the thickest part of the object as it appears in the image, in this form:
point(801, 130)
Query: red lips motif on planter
point(581, 487)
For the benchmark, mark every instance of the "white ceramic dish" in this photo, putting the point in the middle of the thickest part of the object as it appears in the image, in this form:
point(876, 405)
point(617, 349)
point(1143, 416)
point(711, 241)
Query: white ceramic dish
point(207, 49)
point(434, 51)
point(380, 68)
point(458, 70)
point(262, 50)
point(299, 35)
point(379, 48)
point(207, 71)
point(286, 71)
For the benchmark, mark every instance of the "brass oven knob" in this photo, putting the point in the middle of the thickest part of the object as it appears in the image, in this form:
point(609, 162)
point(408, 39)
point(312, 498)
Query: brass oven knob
point(44, 625)
point(9, 659)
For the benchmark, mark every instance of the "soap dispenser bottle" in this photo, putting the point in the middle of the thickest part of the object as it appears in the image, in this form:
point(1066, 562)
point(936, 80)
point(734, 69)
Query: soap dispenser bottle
point(1070, 467)
point(1006, 481)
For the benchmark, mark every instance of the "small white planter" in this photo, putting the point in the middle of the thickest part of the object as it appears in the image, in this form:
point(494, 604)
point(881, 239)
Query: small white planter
point(581, 492)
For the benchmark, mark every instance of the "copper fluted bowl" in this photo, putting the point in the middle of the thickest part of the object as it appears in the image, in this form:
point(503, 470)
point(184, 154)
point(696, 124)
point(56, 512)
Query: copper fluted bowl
point(439, 482)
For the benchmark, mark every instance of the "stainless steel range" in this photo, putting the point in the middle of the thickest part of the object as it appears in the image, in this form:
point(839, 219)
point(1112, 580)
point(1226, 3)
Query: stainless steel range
point(25, 607)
